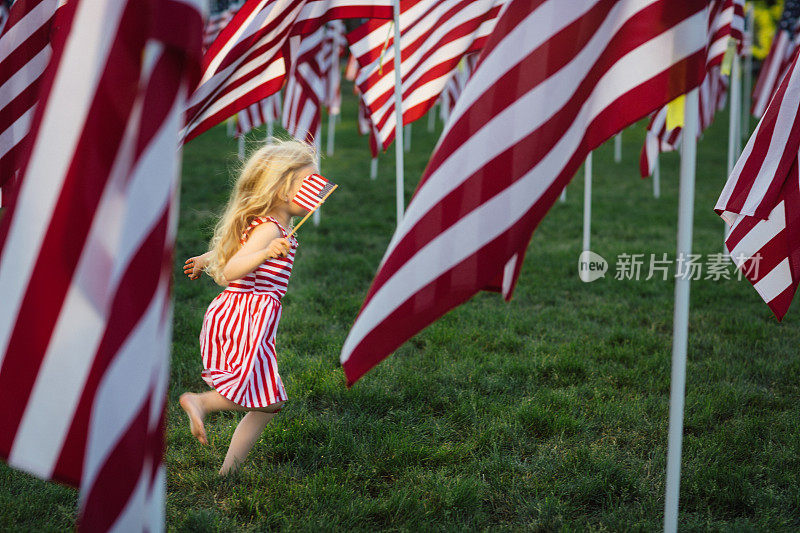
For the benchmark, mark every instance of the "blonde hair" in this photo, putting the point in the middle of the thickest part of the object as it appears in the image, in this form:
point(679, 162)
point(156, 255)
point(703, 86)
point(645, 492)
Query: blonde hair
point(267, 176)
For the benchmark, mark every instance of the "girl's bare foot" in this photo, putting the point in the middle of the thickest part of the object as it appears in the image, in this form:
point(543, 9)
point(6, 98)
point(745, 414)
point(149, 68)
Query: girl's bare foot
point(195, 413)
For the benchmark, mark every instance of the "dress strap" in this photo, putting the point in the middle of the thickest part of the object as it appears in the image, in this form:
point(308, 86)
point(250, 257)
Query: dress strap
point(260, 220)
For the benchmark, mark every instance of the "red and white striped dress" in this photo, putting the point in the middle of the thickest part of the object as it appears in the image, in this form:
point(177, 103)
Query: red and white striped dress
point(238, 336)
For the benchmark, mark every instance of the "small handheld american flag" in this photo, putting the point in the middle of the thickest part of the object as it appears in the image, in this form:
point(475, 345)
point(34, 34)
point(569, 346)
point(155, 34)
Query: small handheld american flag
point(313, 191)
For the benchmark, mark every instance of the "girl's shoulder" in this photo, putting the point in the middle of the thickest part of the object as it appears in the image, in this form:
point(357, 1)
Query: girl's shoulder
point(260, 221)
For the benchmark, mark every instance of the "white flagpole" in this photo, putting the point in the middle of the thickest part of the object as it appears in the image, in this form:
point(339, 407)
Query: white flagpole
point(407, 146)
point(269, 131)
point(241, 147)
point(734, 140)
point(618, 147)
point(680, 325)
point(587, 202)
point(398, 108)
point(230, 126)
point(373, 168)
point(563, 197)
point(432, 119)
point(317, 217)
point(747, 49)
point(331, 133)
point(657, 178)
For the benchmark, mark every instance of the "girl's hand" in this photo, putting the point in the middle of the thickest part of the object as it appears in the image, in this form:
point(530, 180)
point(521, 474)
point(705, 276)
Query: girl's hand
point(279, 247)
point(194, 266)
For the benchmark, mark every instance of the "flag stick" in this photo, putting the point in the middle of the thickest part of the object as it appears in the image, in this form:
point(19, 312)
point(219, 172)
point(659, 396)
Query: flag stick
point(373, 168)
point(398, 109)
point(680, 326)
point(587, 202)
point(432, 119)
point(269, 131)
point(297, 227)
point(657, 178)
point(241, 147)
point(231, 130)
point(747, 49)
point(407, 139)
point(734, 140)
point(563, 197)
point(618, 147)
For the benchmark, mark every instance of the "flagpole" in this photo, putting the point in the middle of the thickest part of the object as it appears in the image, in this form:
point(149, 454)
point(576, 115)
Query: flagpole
point(563, 197)
point(657, 178)
point(407, 140)
point(680, 325)
point(734, 140)
point(747, 49)
point(587, 203)
point(317, 212)
point(398, 109)
point(373, 168)
point(241, 147)
point(331, 133)
point(618, 147)
point(432, 119)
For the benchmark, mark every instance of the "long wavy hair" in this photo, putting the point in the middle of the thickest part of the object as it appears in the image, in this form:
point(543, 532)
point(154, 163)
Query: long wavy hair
point(267, 176)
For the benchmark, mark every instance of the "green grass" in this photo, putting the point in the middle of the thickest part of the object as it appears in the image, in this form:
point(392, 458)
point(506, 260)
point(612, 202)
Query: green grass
point(546, 413)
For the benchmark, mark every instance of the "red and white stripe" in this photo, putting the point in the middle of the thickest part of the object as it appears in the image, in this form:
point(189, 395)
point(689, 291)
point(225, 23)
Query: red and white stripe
point(267, 111)
point(86, 259)
point(247, 62)
point(761, 201)
point(556, 79)
point(24, 53)
point(435, 35)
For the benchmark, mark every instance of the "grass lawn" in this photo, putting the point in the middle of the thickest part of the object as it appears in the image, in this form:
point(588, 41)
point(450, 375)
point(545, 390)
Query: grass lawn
point(546, 413)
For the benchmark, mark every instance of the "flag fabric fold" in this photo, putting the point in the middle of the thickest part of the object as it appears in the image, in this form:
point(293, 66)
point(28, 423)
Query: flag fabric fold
point(86, 258)
point(555, 80)
point(761, 200)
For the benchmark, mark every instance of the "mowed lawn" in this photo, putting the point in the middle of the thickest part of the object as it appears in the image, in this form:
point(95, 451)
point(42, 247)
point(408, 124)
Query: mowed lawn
point(546, 413)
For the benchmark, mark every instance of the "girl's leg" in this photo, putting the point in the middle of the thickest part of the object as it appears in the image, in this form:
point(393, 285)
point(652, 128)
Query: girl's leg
point(197, 406)
point(244, 437)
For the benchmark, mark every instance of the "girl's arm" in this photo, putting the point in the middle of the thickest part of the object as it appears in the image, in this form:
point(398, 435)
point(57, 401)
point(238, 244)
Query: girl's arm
point(195, 265)
point(264, 242)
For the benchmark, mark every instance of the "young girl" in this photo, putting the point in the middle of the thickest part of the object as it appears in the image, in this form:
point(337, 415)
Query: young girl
point(252, 256)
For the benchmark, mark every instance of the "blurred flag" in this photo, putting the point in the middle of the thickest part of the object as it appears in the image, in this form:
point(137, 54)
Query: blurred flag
point(313, 191)
point(217, 21)
point(24, 53)
point(248, 60)
point(313, 82)
point(86, 259)
point(778, 59)
point(266, 111)
point(761, 200)
point(555, 80)
point(435, 35)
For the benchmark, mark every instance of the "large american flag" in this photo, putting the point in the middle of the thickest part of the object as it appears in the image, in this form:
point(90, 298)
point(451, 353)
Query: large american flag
point(435, 35)
point(248, 61)
point(556, 79)
point(761, 200)
point(777, 62)
point(24, 53)
point(86, 259)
